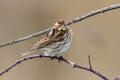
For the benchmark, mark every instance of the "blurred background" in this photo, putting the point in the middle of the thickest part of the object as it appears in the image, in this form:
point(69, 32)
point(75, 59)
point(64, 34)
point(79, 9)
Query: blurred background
point(98, 36)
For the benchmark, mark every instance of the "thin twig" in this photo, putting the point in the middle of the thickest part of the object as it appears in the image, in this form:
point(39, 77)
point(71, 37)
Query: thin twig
point(116, 6)
point(25, 38)
point(58, 58)
point(102, 10)
point(89, 62)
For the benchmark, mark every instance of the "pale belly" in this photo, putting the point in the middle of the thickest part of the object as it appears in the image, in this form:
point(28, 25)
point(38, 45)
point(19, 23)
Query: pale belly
point(55, 50)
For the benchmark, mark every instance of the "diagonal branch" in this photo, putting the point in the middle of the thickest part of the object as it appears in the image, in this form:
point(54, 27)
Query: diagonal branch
point(25, 38)
point(102, 10)
point(60, 59)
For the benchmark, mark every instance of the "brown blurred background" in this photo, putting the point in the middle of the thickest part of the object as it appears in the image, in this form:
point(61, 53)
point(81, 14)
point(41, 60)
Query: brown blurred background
point(98, 36)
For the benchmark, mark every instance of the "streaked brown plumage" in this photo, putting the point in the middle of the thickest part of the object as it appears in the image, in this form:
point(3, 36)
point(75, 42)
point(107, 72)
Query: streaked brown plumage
point(54, 42)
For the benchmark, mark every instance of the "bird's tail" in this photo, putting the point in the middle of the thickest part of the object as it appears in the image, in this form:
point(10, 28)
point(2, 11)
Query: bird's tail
point(27, 52)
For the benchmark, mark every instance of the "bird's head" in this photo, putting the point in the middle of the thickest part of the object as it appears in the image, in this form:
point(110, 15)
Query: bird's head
point(59, 26)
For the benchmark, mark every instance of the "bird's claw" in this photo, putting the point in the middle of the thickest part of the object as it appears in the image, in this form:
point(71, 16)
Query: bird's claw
point(60, 58)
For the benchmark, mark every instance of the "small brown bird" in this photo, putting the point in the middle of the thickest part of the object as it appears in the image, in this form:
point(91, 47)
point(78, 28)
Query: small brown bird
point(55, 41)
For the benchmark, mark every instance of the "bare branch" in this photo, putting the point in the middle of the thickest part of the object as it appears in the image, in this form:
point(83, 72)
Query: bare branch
point(58, 58)
point(116, 6)
point(102, 10)
point(25, 38)
point(89, 62)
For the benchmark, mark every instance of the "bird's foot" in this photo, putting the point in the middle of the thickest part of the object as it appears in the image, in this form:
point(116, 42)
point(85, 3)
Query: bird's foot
point(60, 58)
